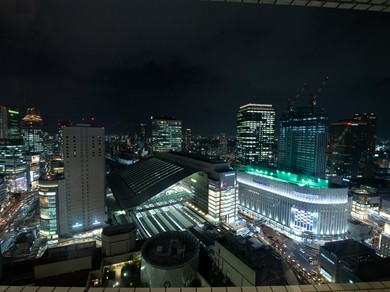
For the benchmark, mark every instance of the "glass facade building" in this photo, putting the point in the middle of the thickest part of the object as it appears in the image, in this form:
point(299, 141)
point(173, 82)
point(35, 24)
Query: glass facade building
point(9, 123)
point(50, 189)
point(166, 134)
point(222, 200)
point(303, 141)
point(13, 165)
point(256, 134)
point(299, 206)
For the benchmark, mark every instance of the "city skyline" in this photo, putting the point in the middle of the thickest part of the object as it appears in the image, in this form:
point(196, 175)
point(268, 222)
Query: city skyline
point(123, 61)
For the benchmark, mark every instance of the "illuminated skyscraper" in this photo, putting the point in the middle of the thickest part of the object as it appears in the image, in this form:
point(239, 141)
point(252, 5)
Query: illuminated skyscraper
point(256, 134)
point(51, 189)
point(31, 129)
point(188, 140)
point(352, 146)
point(303, 141)
point(58, 148)
point(85, 175)
point(166, 134)
point(13, 165)
point(9, 123)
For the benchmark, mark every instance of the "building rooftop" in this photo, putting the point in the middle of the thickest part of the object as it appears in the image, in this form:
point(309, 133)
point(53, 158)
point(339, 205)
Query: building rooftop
point(288, 177)
point(249, 250)
point(374, 269)
point(170, 249)
point(347, 248)
point(118, 229)
point(139, 182)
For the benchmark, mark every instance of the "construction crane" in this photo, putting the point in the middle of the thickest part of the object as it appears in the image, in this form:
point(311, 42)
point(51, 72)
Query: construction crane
point(291, 101)
point(313, 96)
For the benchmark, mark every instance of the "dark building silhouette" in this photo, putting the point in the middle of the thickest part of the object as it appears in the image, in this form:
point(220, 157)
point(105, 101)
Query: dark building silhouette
point(352, 146)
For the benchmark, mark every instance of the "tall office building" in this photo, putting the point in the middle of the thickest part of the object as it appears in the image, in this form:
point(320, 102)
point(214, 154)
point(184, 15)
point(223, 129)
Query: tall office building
point(9, 123)
point(3, 192)
point(256, 134)
point(352, 146)
point(84, 170)
point(166, 134)
point(303, 141)
point(59, 144)
point(31, 130)
point(188, 140)
point(13, 164)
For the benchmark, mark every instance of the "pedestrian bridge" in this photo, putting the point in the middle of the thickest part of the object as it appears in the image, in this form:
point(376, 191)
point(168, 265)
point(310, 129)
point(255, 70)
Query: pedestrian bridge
point(368, 5)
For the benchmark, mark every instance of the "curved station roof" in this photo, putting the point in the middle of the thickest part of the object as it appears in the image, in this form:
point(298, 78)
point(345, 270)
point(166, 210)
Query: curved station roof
point(141, 181)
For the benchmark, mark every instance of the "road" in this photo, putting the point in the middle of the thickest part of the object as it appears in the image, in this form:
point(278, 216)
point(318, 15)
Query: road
point(302, 259)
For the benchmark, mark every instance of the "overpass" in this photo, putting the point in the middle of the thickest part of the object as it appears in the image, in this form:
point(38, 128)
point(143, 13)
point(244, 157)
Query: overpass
point(367, 5)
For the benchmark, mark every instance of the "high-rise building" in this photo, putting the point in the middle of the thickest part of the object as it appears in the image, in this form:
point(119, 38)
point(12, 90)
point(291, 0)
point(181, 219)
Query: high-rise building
point(51, 189)
point(303, 141)
point(13, 164)
point(3, 122)
point(188, 140)
point(223, 146)
point(352, 146)
point(3, 191)
point(84, 170)
point(58, 147)
point(9, 123)
point(166, 134)
point(31, 130)
point(256, 134)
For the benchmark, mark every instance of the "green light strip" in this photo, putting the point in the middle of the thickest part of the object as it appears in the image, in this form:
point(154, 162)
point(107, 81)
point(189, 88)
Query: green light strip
point(13, 112)
point(288, 177)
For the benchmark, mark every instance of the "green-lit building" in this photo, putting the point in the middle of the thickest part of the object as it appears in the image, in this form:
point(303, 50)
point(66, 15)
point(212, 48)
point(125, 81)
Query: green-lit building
point(300, 206)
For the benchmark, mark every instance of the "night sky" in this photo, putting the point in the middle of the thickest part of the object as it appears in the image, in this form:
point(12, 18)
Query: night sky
point(124, 61)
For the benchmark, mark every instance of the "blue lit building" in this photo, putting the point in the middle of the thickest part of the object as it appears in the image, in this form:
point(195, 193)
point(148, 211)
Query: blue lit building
point(300, 206)
point(256, 134)
point(303, 141)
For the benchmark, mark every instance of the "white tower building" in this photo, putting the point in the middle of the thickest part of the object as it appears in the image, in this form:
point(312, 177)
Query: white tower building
point(84, 166)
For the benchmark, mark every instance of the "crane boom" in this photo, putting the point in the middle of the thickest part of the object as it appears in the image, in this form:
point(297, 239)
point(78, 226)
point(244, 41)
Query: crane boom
point(313, 96)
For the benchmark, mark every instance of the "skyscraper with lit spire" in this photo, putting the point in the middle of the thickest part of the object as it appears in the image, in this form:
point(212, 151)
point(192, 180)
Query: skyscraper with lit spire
point(31, 130)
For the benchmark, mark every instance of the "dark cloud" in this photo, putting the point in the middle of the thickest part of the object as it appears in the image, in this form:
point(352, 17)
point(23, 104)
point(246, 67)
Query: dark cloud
point(122, 61)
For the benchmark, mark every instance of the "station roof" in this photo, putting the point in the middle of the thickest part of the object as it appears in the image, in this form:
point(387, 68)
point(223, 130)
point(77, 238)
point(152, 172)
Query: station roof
point(141, 181)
